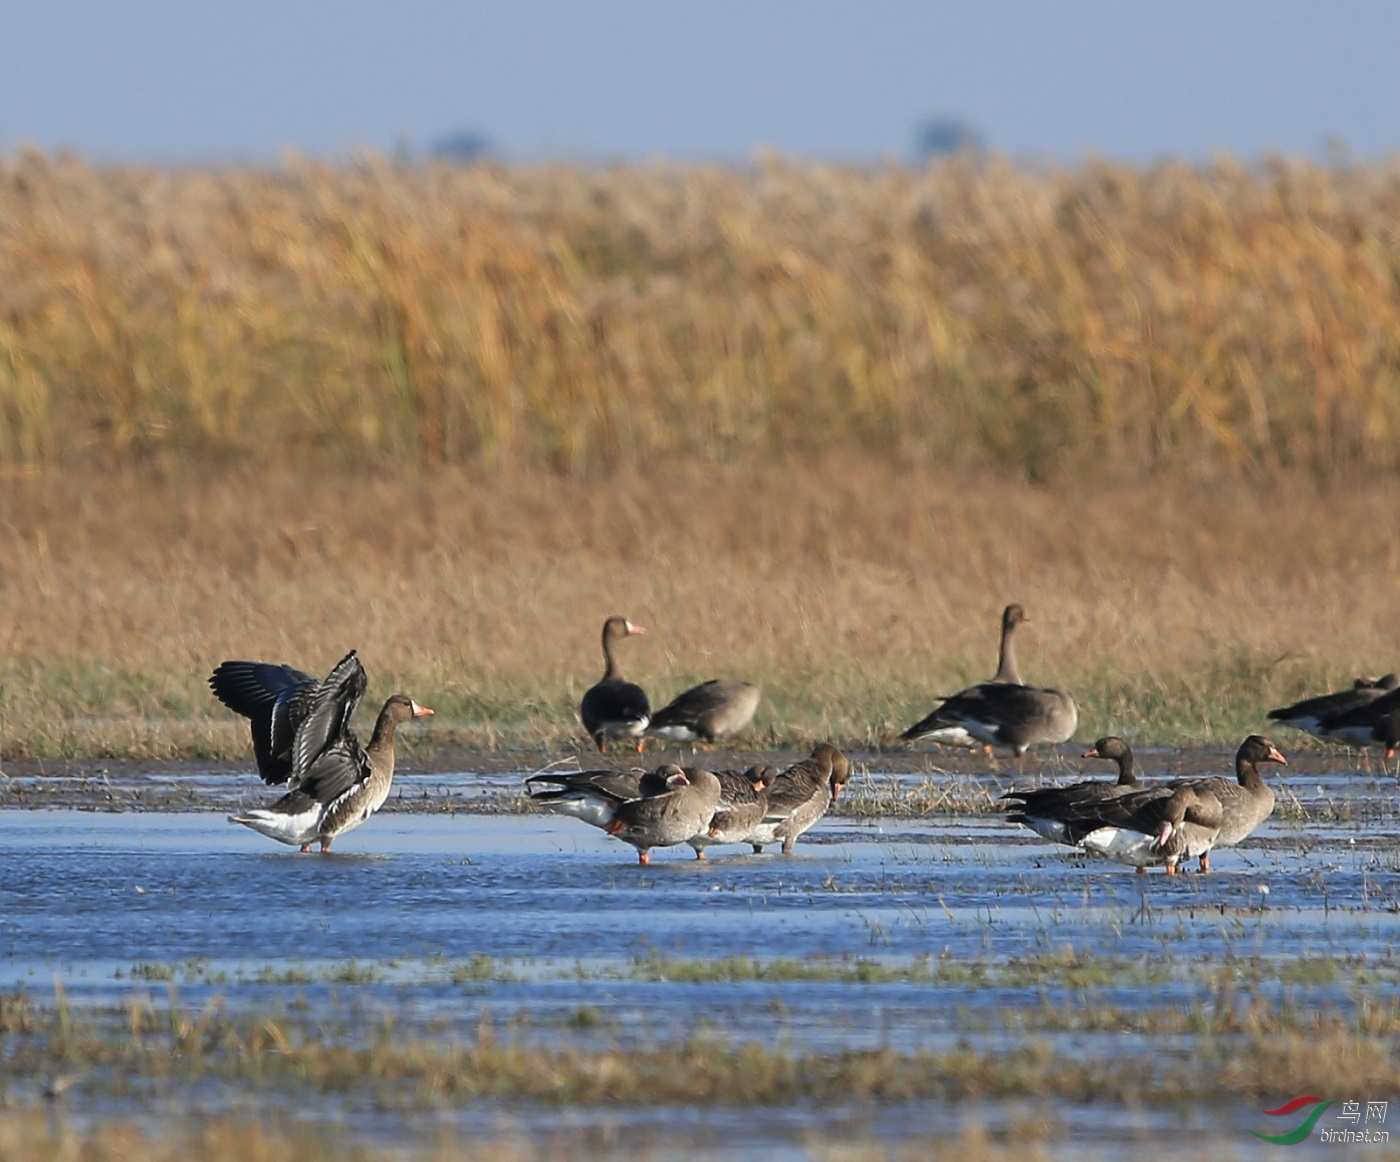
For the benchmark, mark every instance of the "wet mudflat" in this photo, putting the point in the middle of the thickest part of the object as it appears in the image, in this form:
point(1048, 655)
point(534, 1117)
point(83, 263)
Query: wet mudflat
point(887, 933)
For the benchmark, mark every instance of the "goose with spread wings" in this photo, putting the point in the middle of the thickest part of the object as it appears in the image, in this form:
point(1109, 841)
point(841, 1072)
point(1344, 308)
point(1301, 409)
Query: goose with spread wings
point(304, 738)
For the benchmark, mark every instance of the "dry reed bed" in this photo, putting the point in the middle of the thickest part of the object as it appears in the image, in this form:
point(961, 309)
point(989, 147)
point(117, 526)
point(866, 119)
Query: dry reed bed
point(852, 590)
point(1224, 319)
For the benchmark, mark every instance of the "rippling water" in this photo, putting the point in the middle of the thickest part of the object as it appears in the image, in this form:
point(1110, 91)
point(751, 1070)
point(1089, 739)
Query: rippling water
point(110, 902)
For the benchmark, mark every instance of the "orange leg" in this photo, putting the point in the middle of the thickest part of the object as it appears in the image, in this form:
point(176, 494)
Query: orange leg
point(325, 846)
point(644, 857)
point(700, 853)
point(1205, 862)
point(305, 847)
point(1142, 871)
point(1171, 869)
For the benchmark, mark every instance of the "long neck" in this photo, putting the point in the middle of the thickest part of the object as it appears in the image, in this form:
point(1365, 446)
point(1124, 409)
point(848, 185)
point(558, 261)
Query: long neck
point(613, 673)
point(1007, 670)
point(1248, 774)
point(1127, 771)
point(381, 743)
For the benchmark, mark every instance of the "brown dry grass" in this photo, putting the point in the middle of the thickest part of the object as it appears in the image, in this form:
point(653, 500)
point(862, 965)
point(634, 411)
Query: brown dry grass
point(454, 417)
point(1228, 319)
point(853, 590)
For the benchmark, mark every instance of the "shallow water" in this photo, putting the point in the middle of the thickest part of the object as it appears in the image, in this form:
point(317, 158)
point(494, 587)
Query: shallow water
point(108, 903)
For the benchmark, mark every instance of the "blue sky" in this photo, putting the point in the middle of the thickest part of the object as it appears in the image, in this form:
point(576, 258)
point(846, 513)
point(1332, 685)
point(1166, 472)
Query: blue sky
point(172, 80)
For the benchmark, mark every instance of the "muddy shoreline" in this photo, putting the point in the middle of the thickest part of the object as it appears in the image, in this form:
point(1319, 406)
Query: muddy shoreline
point(492, 781)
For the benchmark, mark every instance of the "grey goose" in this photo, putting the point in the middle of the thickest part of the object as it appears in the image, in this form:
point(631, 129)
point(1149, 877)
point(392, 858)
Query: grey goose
point(743, 803)
point(673, 815)
point(709, 711)
point(799, 796)
point(303, 736)
point(1246, 800)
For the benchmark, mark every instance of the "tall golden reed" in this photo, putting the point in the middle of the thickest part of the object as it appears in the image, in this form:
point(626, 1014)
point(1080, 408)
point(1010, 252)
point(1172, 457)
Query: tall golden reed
point(1221, 319)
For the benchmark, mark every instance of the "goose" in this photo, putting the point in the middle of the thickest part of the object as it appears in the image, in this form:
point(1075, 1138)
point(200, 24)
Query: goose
point(935, 729)
point(706, 712)
point(1374, 723)
point(1246, 800)
point(800, 796)
point(593, 796)
point(742, 805)
point(302, 737)
point(615, 707)
point(670, 816)
point(1014, 718)
point(1158, 825)
point(1041, 809)
point(1309, 714)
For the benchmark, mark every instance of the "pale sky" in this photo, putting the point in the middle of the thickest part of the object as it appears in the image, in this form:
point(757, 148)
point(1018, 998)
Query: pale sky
point(182, 80)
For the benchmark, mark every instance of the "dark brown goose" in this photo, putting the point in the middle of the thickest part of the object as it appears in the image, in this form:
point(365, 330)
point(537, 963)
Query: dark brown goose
point(672, 816)
point(1145, 828)
point(1000, 713)
point(303, 735)
point(1042, 809)
point(615, 707)
point(1013, 718)
point(1310, 714)
point(934, 729)
point(742, 805)
point(707, 712)
point(593, 796)
point(1375, 723)
point(800, 796)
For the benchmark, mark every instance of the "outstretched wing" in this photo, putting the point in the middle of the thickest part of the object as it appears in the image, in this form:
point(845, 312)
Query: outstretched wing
point(328, 719)
point(276, 700)
point(340, 767)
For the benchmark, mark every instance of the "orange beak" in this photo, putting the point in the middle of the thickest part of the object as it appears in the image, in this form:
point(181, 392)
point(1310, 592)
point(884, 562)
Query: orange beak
point(422, 711)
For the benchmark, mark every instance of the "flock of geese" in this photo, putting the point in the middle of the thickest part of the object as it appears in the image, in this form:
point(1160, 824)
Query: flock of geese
point(304, 740)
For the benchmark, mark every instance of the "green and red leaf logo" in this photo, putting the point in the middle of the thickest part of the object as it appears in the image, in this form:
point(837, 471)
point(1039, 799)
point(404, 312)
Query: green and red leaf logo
point(1302, 1131)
